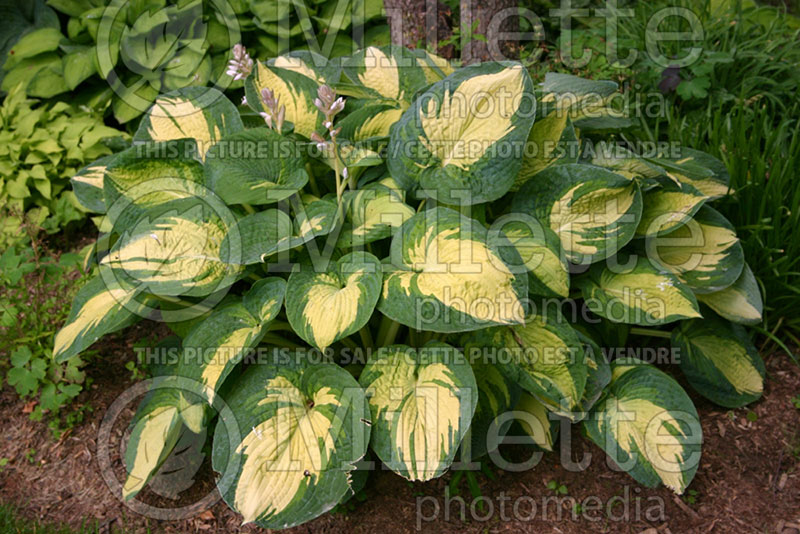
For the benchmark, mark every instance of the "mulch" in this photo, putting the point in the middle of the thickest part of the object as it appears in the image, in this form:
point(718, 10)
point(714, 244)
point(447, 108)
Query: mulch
point(747, 481)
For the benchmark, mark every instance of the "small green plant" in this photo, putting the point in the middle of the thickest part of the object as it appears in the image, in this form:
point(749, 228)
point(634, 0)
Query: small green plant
point(380, 251)
point(752, 416)
point(41, 148)
point(30, 455)
point(555, 487)
point(33, 287)
point(796, 402)
point(691, 497)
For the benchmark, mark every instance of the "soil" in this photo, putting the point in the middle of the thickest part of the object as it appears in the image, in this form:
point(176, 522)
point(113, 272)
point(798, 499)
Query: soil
point(748, 479)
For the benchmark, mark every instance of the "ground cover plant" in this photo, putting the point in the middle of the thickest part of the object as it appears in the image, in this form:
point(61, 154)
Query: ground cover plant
point(41, 147)
point(122, 55)
point(398, 255)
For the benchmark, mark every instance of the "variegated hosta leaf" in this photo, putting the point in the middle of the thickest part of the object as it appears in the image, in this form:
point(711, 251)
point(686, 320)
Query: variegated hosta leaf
point(162, 417)
point(88, 185)
point(422, 402)
point(537, 421)
point(324, 307)
point(667, 208)
point(309, 64)
point(622, 161)
point(200, 113)
point(587, 101)
point(369, 122)
point(740, 302)
point(102, 306)
point(458, 141)
point(569, 91)
point(374, 212)
point(496, 396)
point(704, 253)
point(291, 89)
point(544, 357)
point(217, 344)
point(595, 212)
point(648, 426)
point(434, 67)
point(152, 177)
point(720, 361)
point(539, 249)
point(302, 427)
point(392, 73)
point(703, 171)
point(175, 253)
point(256, 166)
point(636, 292)
point(444, 276)
point(271, 231)
point(543, 142)
point(154, 434)
point(598, 372)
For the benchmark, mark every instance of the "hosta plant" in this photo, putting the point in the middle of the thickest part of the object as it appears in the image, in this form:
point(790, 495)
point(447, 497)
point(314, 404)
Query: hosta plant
point(400, 254)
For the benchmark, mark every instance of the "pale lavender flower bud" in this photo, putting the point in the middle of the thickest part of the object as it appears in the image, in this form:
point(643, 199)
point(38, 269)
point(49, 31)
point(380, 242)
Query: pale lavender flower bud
point(337, 106)
point(241, 65)
point(345, 173)
point(268, 97)
point(279, 119)
point(267, 118)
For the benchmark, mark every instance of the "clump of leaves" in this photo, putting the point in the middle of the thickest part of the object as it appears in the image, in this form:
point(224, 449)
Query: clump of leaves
point(122, 55)
point(386, 259)
point(30, 312)
point(41, 148)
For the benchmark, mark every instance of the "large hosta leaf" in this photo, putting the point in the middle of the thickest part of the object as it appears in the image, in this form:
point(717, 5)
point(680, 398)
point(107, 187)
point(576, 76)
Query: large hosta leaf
point(636, 292)
point(720, 361)
point(392, 73)
point(740, 302)
point(457, 142)
point(543, 145)
point(200, 113)
point(595, 212)
point(496, 396)
point(154, 434)
point(540, 251)
point(704, 253)
point(667, 208)
point(291, 89)
point(444, 276)
point(544, 357)
point(104, 305)
point(217, 343)
point(537, 421)
point(88, 185)
point(422, 402)
point(175, 253)
point(588, 102)
point(648, 426)
point(702, 171)
point(369, 122)
point(171, 409)
point(154, 177)
point(265, 233)
point(324, 307)
point(256, 166)
point(598, 372)
point(374, 212)
point(303, 427)
point(309, 64)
